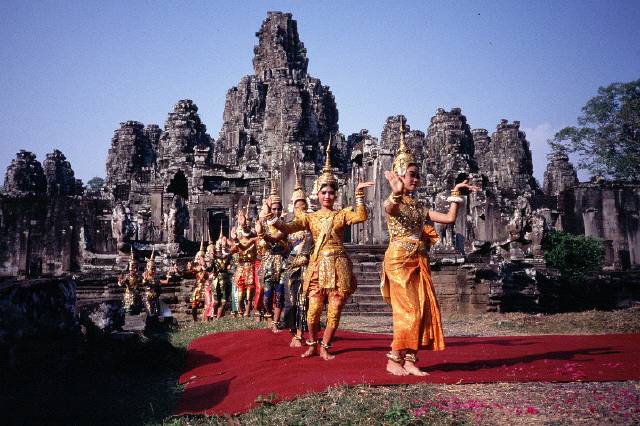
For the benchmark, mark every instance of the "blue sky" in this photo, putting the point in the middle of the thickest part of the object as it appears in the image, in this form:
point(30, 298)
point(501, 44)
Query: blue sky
point(71, 71)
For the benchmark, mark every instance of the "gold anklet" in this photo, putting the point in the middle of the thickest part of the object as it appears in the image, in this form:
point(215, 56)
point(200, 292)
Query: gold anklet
point(394, 358)
point(325, 345)
point(411, 358)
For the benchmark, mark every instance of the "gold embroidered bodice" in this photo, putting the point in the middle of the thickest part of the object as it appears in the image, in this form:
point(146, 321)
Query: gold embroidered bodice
point(410, 222)
point(326, 240)
point(328, 260)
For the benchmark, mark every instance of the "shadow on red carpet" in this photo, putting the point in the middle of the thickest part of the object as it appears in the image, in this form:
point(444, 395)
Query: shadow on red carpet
point(226, 372)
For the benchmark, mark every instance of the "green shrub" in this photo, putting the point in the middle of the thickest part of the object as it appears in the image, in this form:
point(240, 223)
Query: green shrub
point(574, 256)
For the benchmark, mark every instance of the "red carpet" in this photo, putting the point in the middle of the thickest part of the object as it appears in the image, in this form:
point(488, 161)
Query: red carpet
point(225, 372)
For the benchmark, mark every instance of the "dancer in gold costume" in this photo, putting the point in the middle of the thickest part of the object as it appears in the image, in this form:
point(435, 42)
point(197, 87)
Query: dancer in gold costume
point(220, 280)
point(300, 246)
point(243, 242)
point(199, 269)
point(152, 287)
point(329, 273)
point(406, 278)
point(208, 311)
point(131, 287)
point(275, 250)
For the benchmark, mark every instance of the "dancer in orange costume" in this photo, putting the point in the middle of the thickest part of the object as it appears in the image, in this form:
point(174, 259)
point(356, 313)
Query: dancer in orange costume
point(406, 278)
point(329, 273)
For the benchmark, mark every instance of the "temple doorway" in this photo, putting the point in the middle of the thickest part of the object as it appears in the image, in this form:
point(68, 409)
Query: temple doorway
point(218, 220)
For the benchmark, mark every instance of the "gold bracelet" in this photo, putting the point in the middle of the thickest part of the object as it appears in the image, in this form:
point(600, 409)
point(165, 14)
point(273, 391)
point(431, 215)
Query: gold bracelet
point(397, 198)
point(393, 200)
point(359, 193)
point(455, 192)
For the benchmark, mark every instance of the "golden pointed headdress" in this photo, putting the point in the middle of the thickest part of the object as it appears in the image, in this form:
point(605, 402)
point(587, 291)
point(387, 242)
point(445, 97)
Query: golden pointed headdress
point(201, 251)
point(403, 157)
point(275, 198)
point(244, 211)
point(298, 190)
point(210, 246)
point(327, 177)
point(152, 257)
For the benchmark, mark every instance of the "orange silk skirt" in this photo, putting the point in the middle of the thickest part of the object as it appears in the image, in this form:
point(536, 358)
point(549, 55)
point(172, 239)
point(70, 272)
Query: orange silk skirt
point(406, 284)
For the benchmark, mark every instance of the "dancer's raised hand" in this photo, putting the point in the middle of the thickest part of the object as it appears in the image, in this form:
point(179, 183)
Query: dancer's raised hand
point(465, 184)
point(259, 227)
point(266, 208)
point(396, 184)
point(363, 185)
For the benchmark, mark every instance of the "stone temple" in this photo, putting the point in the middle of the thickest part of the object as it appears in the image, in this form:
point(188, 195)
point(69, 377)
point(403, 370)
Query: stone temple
point(169, 187)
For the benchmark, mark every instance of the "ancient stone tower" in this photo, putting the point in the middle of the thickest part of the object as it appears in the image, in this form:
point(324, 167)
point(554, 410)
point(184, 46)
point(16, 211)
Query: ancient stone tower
point(280, 114)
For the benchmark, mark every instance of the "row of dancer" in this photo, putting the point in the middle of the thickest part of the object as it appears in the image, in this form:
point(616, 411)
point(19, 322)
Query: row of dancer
point(405, 277)
point(328, 277)
point(267, 275)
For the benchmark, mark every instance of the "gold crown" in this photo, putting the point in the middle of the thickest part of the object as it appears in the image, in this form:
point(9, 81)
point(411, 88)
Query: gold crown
point(201, 251)
point(210, 246)
point(298, 190)
point(403, 158)
point(153, 251)
point(245, 211)
point(327, 177)
point(275, 198)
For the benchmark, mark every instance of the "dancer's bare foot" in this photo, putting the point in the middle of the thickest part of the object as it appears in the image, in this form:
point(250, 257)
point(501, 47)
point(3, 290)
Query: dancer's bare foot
point(295, 343)
point(410, 360)
point(275, 329)
point(313, 350)
point(324, 354)
point(411, 368)
point(396, 368)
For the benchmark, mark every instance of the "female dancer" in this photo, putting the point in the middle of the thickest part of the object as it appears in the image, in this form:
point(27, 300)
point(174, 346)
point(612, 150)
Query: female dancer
point(275, 250)
point(244, 243)
point(406, 277)
point(300, 246)
point(199, 269)
point(329, 273)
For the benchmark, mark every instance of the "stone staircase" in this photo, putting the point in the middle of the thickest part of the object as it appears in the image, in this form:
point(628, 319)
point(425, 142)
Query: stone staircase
point(367, 264)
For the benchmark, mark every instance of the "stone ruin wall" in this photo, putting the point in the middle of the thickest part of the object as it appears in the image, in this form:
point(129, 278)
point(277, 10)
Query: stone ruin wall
point(169, 187)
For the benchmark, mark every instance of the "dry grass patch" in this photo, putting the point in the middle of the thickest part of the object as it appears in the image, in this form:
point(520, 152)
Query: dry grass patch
point(517, 323)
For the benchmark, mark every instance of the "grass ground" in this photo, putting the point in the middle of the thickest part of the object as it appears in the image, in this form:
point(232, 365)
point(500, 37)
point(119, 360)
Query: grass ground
point(133, 381)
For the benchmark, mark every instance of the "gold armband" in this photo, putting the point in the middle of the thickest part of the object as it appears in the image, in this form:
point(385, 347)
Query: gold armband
point(455, 193)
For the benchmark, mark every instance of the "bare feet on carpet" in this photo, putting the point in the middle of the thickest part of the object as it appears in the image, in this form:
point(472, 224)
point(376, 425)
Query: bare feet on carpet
point(324, 354)
point(411, 368)
point(396, 369)
point(310, 352)
point(295, 343)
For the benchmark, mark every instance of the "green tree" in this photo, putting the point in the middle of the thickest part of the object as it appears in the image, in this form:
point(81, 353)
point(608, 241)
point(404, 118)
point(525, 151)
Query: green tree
point(95, 183)
point(607, 138)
